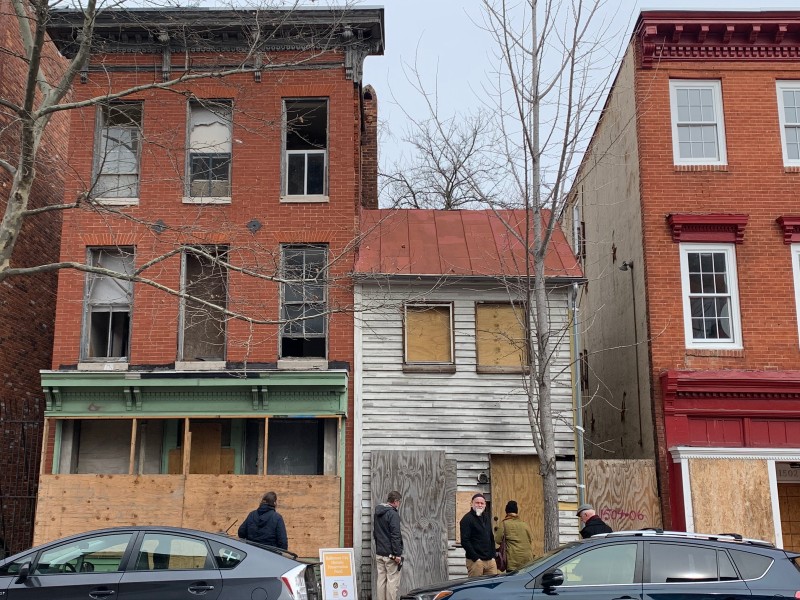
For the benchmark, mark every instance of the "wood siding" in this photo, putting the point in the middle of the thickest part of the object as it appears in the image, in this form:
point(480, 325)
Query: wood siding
point(468, 415)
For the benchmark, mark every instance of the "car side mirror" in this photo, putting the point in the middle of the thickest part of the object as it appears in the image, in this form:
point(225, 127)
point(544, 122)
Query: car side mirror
point(552, 578)
point(23, 573)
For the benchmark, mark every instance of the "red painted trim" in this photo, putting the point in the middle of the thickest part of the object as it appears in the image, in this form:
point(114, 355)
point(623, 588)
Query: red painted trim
point(677, 508)
point(730, 384)
point(791, 228)
point(722, 229)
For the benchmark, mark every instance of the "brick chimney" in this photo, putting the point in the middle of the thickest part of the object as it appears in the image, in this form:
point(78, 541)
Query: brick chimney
point(369, 149)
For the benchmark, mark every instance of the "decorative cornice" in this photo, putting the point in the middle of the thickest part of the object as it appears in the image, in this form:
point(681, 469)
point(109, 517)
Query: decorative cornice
point(715, 228)
point(718, 36)
point(720, 385)
point(680, 453)
point(791, 228)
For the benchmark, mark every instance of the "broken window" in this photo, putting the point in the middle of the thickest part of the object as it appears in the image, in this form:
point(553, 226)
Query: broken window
point(306, 144)
point(209, 149)
point(500, 337)
point(108, 305)
point(301, 447)
point(428, 334)
point(95, 446)
point(117, 150)
point(205, 283)
point(304, 298)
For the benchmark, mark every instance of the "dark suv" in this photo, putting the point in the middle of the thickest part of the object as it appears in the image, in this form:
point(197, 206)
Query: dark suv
point(636, 565)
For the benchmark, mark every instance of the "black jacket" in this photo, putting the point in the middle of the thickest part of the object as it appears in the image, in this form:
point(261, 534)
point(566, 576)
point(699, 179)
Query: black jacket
point(386, 531)
point(265, 526)
point(477, 537)
point(594, 526)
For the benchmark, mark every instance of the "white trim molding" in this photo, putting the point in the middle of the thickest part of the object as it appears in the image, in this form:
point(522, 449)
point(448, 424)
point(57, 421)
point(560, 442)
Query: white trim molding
point(680, 453)
point(776, 508)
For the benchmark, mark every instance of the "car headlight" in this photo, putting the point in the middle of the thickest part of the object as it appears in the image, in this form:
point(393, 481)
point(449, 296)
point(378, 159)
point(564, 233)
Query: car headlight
point(435, 595)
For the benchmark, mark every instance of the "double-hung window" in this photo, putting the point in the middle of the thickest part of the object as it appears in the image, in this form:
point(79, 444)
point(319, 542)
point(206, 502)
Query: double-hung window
point(107, 321)
point(710, 296)
point(796, 274)
point(698, 128)
point(209, 161)
point(306, 148)
point(428, 333)
point(117, 150)
point(205, 285)
point(304, 301)
point(789, 111)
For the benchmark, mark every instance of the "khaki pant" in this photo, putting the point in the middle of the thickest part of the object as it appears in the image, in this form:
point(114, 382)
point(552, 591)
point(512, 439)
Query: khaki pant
point(475, 568)
point(388, 578)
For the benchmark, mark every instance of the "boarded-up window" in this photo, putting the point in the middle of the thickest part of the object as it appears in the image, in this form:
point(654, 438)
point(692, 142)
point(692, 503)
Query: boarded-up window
point(429, 333)
point(500, 336)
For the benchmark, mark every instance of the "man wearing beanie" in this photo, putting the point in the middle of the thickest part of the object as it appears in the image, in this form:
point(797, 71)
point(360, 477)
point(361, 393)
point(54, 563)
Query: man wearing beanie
point(477, 539)
point(519, 551)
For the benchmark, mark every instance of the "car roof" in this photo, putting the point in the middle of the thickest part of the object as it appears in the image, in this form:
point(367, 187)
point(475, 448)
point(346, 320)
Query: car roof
point(724, 538)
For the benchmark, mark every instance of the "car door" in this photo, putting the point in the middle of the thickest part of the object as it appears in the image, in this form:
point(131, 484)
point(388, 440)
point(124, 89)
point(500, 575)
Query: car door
point(170, 566)
point(604, 572)
point(87, 567)
point(680, 571)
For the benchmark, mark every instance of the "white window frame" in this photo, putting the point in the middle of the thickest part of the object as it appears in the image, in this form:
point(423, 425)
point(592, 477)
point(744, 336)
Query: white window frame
point(286, 153)
point(449, 307)
point(735, 343)
point(208, 104)
point(719, 122)
point(98, 159)
point(795, 248)
point(782, 86)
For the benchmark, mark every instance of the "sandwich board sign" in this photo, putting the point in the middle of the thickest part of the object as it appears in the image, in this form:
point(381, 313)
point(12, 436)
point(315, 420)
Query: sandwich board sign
point(338, 574)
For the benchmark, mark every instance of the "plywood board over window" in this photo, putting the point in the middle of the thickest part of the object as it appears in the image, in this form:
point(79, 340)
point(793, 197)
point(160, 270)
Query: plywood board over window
point(429, 337)
point(500, 337)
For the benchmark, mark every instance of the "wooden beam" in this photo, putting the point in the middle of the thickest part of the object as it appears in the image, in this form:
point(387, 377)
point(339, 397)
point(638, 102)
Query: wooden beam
point(266, 442)
point(132, 457)
point(45, 444)
point(187, 442)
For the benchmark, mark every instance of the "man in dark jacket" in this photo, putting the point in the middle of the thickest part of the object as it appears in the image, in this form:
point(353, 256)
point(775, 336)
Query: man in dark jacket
point(592, 524)
point(477, 539)
point(388, 546)
point(264, 525)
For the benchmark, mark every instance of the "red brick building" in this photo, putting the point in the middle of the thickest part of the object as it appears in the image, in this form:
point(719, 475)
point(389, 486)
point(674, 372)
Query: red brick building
point(27, 303)
point(686, 215)
point(206, 356)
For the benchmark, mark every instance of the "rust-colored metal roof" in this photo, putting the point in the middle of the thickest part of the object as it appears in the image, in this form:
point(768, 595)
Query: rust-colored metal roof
point(470, 243)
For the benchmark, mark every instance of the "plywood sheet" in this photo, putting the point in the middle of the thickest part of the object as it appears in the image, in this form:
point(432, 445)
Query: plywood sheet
point(732, 496)
point(206, 445)
point(789, 503)
point(624, 493)
point(516, 477)
point(309, 504)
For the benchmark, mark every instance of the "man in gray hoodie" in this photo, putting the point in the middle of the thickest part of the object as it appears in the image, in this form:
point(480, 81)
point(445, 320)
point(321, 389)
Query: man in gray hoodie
point(388, 546)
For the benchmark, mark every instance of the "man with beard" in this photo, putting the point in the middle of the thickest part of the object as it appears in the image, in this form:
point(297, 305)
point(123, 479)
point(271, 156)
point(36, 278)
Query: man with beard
point(477, 539)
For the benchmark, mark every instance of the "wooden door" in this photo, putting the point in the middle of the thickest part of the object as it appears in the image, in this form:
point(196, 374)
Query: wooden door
point(516, 477)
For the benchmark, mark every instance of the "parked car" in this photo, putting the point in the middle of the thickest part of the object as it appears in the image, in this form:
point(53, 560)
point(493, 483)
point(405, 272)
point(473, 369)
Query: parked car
point(637, 565)
point(156, 563)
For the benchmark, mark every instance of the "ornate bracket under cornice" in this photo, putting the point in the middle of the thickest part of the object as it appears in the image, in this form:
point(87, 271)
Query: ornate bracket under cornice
point(713, 229)
point(718, 36)
point(791, 228)
point(730, 384)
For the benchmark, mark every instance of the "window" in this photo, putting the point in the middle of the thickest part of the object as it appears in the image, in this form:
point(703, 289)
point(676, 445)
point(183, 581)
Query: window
point(304, 301)
point(751, 566)
point(710, 296)
point(210, 149)
point(172, 552)
point(205, 282)
point(306, 143)
point(680, 563)
point(86, 555)
point(107, 320)
point(315, 455)
point(698, 131)
point(429, 333)
point(796, 274)
point(607, 565)
point(13, 568)
point(225, 556)
point(500, 337)
point(117, 151)
point(789, 114)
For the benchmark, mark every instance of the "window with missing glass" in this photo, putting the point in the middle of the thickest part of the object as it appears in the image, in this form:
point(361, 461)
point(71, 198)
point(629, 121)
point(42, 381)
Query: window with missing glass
point(710, 296)
point(109, 299)
point(305, 147)
point(203, 319)
point(209, 156)
point(117, 150)
point(304, 326)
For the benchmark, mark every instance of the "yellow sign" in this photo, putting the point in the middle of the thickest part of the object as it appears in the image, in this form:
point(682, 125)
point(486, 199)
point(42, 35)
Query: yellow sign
point(338, 569)
point(337, 564)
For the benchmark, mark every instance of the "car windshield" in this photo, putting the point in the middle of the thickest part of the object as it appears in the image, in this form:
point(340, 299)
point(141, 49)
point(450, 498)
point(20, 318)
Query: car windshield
point(547, 556)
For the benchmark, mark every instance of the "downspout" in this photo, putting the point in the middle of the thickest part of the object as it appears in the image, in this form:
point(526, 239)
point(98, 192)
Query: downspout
point(576, 369)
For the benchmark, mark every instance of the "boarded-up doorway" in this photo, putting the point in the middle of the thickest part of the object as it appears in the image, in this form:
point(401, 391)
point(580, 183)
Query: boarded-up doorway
point(789, 503)
point(421, 478)
point(516, 477)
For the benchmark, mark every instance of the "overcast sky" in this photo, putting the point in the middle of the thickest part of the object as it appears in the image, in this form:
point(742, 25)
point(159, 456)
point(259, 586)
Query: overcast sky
point(455, 55)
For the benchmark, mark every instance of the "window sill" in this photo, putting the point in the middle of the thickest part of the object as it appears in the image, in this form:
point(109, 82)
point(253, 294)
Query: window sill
point(302, 364)
point(791, 168)
point(429, 368)
point(206, 200)
point(721, 352)
point(317, 199)
point(199, 365)
point(116, 201)
point(490, 369)
point(103, 366)
point(697, 168)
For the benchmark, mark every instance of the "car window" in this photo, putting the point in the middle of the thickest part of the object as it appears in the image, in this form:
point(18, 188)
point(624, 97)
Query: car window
point(226, 557)
point(100, 553)
point(726, 570)
point(171, 552)
point(751, 565)
point(681, 563)
point(606, 565)
point(12, 568)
